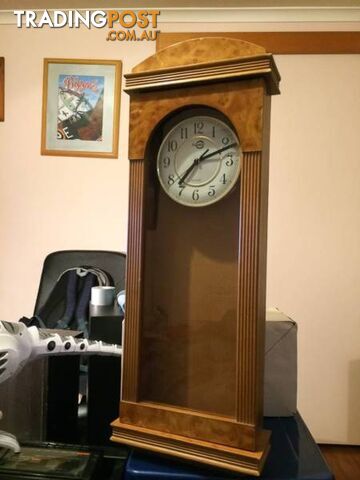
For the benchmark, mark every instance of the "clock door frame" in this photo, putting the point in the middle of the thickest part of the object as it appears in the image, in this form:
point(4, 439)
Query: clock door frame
point(242, 93)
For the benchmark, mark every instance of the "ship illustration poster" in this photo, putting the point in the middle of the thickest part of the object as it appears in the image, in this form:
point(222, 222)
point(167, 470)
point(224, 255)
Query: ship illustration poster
point(80, 107)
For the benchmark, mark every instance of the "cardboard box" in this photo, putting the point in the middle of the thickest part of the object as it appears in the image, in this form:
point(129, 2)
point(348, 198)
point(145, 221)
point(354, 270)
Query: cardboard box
point(280, 377)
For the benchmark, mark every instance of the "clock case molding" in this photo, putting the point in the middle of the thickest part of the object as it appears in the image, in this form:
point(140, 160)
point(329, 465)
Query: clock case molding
point(237, 79)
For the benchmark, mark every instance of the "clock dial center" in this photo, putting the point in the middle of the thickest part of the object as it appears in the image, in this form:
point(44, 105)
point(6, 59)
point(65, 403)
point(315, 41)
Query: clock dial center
point(189, 156)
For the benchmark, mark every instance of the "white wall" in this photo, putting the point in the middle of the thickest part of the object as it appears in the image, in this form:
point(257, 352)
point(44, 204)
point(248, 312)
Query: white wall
point(52, 203)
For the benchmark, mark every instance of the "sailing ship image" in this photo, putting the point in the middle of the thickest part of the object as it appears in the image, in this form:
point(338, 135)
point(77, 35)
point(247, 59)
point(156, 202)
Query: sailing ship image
point(80, 107)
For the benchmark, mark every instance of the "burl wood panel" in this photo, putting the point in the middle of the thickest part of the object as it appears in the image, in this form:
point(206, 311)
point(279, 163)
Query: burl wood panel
point(188, 423)
point(279, 43)
point(221, 456)
point(2, 89)
point(197, 51)
point(240, 101)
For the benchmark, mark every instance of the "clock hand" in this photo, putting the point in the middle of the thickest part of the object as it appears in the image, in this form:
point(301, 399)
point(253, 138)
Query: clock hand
point(188, 170)
point(204, 157)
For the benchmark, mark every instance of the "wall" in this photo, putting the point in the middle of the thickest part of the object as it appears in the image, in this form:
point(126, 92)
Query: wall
point(314, 233)
point(52, 203)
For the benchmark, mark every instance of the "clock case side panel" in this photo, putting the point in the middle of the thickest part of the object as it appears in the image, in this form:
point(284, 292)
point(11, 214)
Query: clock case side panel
point(252, 276)
point(134, 269)
point(243, 103)
point(263, 247)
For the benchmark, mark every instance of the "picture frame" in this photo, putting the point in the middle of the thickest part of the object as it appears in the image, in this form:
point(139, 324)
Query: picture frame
point(81, 107)
point(2, 89)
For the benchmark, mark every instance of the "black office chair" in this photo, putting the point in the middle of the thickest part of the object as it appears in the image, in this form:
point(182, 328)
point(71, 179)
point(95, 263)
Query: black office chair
point(57, 262)
point(45, 392)
point(65, 422)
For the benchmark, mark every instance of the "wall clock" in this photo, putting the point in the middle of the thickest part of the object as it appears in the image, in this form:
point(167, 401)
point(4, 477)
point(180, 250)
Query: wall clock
point(199, 160)
point(196, 265)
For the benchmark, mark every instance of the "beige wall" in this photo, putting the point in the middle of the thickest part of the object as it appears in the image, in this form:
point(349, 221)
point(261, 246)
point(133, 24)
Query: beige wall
point(52, 203)
point(314, 233)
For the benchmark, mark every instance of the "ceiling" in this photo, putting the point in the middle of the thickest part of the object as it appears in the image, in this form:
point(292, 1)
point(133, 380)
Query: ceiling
point(85, 4)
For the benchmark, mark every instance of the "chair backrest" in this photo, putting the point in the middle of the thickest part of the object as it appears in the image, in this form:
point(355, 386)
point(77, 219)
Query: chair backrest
point(28, 391)
point(57, 262)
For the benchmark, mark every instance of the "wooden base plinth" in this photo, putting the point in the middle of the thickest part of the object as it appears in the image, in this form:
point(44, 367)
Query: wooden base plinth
point(238, 460)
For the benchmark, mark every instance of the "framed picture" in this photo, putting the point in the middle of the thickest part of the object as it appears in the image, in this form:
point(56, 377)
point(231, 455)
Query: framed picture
point(2, 89)
point(81, 106)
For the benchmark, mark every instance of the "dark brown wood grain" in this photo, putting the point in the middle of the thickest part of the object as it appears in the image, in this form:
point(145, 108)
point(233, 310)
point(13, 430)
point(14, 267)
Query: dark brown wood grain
point(2, 89)
point(279, 43)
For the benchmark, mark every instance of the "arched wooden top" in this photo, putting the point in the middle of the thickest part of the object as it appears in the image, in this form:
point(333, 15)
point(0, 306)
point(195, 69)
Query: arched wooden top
point(199, 50)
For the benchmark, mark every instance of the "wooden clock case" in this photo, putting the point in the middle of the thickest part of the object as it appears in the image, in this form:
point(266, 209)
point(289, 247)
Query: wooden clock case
point(196, 277)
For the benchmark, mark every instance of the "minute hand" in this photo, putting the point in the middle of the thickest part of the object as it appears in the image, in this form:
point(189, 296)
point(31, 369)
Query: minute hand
point(211, 154)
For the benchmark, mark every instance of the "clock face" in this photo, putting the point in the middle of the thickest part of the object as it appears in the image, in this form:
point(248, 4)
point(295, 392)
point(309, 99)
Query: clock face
point(199, 161)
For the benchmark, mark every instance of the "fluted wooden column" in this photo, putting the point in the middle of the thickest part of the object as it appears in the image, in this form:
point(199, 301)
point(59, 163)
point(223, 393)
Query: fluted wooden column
point(133, 282)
